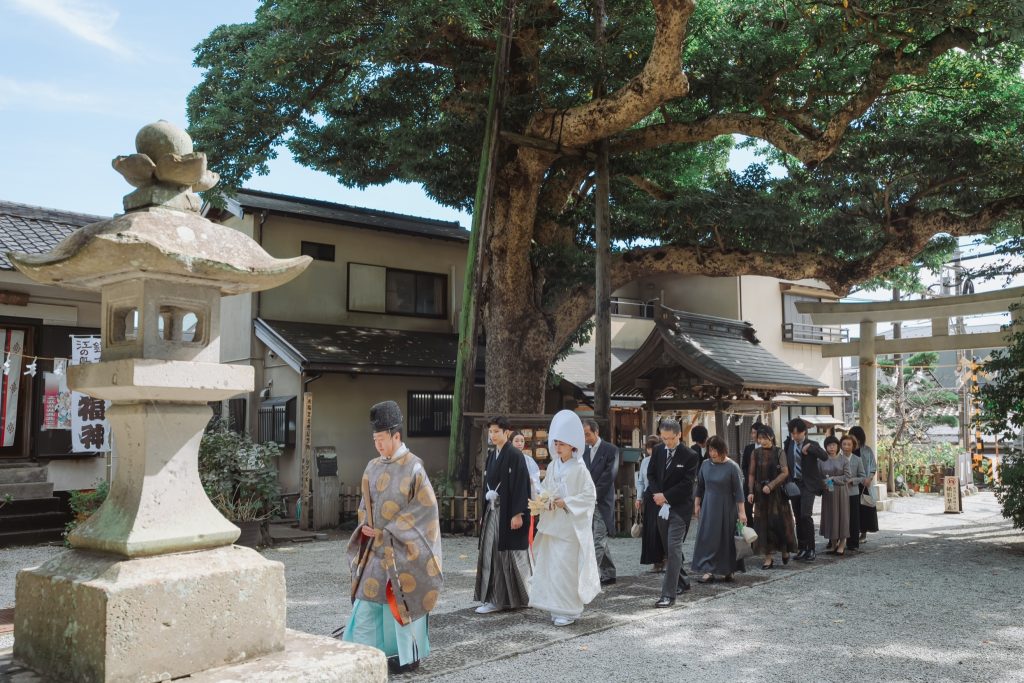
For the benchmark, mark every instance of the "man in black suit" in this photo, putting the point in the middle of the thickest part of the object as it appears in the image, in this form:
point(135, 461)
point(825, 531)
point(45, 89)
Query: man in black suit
point(805, 457)
point(671, 475)
point(602, 460)
point(699, 434)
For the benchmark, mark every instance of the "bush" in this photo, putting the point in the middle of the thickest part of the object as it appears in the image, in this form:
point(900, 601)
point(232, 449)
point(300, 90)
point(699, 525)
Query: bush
point(1009, 489)
point(238, 474)
point(85, 502)
point(914, 462)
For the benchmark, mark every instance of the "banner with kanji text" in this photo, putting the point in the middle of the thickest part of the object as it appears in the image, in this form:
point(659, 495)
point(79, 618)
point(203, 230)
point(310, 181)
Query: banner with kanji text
point(90, 429)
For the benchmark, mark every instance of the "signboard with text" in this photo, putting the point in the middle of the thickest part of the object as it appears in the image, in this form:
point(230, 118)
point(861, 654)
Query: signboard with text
point(90, 429)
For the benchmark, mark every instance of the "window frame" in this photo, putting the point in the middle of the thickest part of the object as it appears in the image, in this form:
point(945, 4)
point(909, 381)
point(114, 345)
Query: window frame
point(443, 314)
point(414, 418)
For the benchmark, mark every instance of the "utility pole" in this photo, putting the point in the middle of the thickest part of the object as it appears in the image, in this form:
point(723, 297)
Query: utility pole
point(602, 257)
point(465, 364)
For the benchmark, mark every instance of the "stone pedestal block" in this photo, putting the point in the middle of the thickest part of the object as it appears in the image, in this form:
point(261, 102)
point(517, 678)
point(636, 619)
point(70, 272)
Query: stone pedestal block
point(86, 617)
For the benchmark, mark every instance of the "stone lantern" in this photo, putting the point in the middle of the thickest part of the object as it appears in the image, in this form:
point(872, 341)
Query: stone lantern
point(153, 588)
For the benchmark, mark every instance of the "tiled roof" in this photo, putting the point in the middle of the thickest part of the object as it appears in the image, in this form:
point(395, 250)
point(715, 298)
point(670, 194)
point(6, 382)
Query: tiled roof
point(730, 350)
point(371, 219)
point(312, 347)
point(717, 351)
point(34, 229)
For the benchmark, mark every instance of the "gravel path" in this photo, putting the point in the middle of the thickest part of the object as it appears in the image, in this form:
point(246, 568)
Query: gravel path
point(934, 597)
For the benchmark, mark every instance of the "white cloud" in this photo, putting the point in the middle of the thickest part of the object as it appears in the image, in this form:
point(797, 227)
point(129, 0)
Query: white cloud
point(45, 96)
point(91, 21)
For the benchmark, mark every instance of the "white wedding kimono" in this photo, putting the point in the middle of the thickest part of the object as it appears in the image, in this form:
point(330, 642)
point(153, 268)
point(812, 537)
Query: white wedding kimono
point(565, 574)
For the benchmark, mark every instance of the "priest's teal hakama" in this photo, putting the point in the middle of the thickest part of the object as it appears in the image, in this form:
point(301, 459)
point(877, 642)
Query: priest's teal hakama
point(396, 575)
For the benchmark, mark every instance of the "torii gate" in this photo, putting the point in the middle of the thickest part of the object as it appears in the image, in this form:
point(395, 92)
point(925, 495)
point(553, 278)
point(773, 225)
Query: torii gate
point(939, 311)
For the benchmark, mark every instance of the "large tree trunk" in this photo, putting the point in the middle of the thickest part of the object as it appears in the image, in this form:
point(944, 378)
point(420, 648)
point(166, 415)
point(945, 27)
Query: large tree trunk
point(520, 339)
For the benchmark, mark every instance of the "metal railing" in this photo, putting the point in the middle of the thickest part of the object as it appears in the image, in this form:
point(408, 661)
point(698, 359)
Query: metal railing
point(632, 308)
point(813, 334)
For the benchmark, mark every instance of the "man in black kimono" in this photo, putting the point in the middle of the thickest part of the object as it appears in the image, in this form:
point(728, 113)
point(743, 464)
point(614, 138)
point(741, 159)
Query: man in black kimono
point(504, 566)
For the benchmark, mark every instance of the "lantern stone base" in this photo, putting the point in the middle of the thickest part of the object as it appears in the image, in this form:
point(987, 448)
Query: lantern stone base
point(91, 617)
point(305, 659)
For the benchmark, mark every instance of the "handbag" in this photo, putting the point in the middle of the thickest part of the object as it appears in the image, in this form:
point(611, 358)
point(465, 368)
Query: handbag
point(637, 530)
point(865, 498)
point(743, 549)
point(744, 539)
point(791, 489)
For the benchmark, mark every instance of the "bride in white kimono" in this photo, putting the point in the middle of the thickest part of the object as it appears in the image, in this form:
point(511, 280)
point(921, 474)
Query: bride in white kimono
point(565, 574)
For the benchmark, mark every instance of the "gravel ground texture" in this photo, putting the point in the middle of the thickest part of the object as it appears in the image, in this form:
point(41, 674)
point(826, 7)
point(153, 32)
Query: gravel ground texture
point(933, 597)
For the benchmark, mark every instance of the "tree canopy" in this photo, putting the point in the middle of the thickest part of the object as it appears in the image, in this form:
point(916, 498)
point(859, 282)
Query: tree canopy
point(900, 126)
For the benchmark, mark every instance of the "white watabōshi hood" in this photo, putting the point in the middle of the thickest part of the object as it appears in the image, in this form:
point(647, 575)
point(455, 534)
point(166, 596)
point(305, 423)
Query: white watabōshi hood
point(566, 427)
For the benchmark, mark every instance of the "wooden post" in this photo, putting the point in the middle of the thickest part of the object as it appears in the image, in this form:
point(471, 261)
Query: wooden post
point(603, 254)
point(868, 382)
point(465, 362)
point(306, 464)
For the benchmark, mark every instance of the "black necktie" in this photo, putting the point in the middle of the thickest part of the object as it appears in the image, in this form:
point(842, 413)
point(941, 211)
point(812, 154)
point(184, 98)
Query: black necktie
point(586, 456)
point(669, 454)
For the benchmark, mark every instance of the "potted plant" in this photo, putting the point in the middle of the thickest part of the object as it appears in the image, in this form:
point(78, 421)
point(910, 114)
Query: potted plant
point(240, 478)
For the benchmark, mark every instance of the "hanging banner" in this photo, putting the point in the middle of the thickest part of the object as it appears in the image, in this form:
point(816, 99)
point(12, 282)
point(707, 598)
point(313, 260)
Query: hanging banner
point(90, 429)
point(14, 347)
point(56, 397)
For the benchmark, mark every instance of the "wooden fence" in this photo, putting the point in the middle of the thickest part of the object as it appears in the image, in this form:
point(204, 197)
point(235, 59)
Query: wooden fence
point(460, 513)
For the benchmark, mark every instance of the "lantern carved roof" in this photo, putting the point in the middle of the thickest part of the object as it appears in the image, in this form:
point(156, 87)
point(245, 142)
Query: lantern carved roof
point(161, 235)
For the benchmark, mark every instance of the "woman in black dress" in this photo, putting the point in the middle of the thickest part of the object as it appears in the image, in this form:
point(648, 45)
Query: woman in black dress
point(773, 518)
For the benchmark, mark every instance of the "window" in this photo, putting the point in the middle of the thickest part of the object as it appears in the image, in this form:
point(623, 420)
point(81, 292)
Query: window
point(319, 251)
point(430, 413)
point(277, 421)
point(798, 327)
point(376, 289)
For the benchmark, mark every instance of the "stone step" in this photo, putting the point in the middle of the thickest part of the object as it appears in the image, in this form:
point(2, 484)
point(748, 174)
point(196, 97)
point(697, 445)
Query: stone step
point(31, 536)
point(30, 505)
point(32, 489)
point(32, 521)
point(22, 475)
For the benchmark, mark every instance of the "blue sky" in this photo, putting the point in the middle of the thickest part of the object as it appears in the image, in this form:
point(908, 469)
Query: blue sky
point(78, 78)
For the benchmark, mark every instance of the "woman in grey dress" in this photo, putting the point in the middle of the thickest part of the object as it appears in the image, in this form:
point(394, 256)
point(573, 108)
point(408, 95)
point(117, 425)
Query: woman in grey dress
point(835, 501)
point(717, 503)
point(848, 447)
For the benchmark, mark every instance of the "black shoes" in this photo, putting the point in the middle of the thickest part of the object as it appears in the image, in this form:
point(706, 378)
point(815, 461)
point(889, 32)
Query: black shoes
point(808, 556)
point(607, 582)
point(665, 602)
point(682, 588)
point(395, 668)
point(802, 554)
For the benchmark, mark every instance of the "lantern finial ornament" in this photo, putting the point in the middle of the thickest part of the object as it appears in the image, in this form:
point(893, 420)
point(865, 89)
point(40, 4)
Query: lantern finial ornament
point(165, 169)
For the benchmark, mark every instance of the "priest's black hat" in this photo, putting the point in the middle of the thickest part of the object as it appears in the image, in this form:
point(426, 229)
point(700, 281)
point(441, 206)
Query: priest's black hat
point(386, 416)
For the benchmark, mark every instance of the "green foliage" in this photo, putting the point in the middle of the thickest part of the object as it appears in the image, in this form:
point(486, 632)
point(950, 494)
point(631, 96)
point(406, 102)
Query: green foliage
point(85, 502)
point(239, 475)
point(370, 95)
point(914, 462)
point(1002, 414)
point(5, 499)
point(1010, 489)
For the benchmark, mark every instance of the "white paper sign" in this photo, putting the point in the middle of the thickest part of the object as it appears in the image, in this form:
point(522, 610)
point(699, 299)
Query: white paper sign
point(90, 428)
